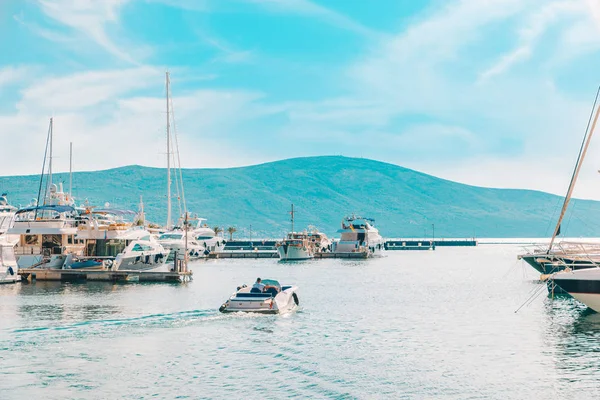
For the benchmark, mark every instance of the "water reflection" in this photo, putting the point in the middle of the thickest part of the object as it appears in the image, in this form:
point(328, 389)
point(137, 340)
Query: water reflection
point(573, 334)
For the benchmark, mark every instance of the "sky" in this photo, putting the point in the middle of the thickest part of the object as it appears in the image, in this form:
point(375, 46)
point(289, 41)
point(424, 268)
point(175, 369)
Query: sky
point(494, 93)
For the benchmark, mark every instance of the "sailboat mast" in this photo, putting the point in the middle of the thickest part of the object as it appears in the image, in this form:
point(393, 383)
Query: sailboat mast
point(71, 169)
point(50, 160)
point(574, 177)
point(168, 156)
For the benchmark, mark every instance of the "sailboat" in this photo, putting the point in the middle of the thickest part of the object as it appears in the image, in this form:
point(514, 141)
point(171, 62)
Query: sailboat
point(182, 238)
point(46, 229)
point(571, 255)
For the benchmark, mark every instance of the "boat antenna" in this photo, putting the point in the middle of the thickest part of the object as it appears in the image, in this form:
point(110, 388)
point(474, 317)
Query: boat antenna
point(43, 167)
point(71, 169)
point(168, 156)
point(292, 214)
point(582, 152)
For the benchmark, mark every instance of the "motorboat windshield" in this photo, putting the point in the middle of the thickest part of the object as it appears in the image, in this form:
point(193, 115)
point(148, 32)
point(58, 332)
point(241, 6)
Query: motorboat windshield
point(171, 236)
point(271, 283)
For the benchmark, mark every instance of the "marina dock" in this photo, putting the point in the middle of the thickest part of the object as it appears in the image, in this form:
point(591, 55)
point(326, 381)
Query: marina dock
point(71, 275)
point(244, 254)
point(426, 244)
point(356, 256)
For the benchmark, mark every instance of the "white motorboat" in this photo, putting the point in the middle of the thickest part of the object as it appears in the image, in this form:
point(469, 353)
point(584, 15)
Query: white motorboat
point(8, 262)
point(174, 242)
point(118, 244)
point(359, 235)
point(274, 299)
point(201, 240)
point(582, 284)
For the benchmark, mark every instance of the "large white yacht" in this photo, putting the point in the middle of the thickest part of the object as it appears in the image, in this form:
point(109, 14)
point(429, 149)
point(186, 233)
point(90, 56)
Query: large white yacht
point(46, 233)
point(359, 235)
point(112, 242)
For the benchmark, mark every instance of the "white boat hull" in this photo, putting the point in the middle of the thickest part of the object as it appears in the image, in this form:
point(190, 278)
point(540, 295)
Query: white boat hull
point(155, 262)
point(582, 284)
point(292, 253)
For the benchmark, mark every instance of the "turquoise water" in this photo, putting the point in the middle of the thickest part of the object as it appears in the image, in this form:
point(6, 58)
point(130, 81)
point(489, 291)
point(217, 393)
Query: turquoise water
point(412, 325)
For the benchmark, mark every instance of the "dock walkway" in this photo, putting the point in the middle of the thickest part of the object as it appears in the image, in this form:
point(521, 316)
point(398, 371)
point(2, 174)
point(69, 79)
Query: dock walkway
point(69, 275)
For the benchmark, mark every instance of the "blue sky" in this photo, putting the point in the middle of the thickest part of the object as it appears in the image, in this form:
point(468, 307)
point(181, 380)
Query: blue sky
point(493, 93)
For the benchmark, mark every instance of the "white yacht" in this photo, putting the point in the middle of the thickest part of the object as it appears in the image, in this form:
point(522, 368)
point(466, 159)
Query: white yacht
point(273, 299)
point(7, 213)
point(359, 237)
point(201, 240)
point(111, 242)
point(302, 245)
point(174, 242)
point(8, 262)
point(46, 235)
point(295, 247)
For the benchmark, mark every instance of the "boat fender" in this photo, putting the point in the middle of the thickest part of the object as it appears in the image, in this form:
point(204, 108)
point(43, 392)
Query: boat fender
point(295, 296)
point(10, 271)
point(223, 307)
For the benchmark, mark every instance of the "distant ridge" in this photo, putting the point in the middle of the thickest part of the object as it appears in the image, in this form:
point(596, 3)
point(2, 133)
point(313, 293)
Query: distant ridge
point(404, 203)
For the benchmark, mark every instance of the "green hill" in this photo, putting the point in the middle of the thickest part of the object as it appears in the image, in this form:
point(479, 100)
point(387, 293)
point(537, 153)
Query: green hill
point(404, 203)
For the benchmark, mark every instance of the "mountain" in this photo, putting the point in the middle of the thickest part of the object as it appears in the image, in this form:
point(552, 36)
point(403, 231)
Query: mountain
point(404, 203)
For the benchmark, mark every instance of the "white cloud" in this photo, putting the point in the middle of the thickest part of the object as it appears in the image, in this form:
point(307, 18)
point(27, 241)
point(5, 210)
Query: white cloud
point(10, 75)
point(91, 19)
point(80, 90)
point(112, 125)
point(309, 8)
point(535, 25)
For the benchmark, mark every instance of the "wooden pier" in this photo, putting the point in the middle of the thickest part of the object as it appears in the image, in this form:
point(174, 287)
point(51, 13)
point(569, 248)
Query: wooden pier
point(355, 256)
point(78, 275)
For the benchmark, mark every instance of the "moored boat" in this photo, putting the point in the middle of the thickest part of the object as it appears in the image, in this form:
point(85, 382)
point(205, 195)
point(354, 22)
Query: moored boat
point(8, 262)
point(7, 213)
point(559, 256)
point(359, 238)
point(583, 285)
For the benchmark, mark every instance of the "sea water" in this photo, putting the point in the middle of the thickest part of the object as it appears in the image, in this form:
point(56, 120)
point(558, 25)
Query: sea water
point(414, 324)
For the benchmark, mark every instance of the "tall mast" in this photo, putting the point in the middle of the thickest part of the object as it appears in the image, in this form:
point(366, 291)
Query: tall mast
point(582, 154)
point(50, 161)
point(168, 156)
point(292, 214)
point(71, 169)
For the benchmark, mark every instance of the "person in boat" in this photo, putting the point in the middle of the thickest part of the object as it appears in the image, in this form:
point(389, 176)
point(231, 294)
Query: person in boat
point(258, 287)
